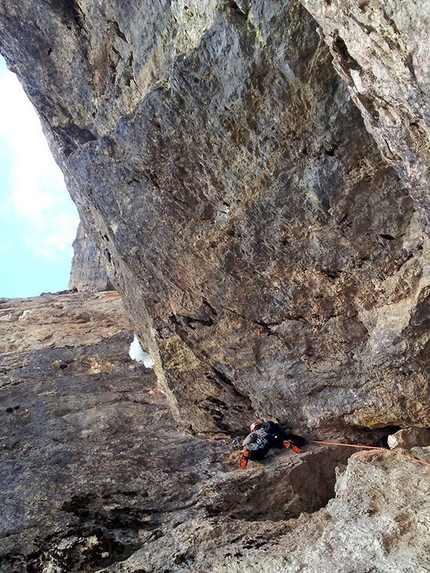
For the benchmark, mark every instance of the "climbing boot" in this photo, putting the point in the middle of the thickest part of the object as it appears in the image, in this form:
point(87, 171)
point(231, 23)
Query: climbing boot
point(295, 449)
point(244, 459)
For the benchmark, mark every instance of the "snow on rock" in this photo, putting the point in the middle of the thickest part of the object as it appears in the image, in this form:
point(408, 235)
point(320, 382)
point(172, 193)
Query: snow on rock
point(137, 353)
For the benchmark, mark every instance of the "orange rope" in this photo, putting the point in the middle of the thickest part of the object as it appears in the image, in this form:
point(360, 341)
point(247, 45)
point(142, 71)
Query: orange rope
point(375, 449)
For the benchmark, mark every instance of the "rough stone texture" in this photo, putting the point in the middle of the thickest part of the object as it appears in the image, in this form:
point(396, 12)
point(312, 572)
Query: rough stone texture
point(95, 475)
point(89, 266)
point(369, 527)
point(381, 50)
point(271, 261)
point(59, 320)
point(409, 437)
point(91, 459)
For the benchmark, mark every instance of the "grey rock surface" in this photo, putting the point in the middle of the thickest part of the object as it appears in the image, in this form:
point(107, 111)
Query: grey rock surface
point(409, 437)
point(271, 261)
point(381, 51)
point(91, 457)
point(96, 476)
point(89, 267)
point(369, 526)
point(262, 201)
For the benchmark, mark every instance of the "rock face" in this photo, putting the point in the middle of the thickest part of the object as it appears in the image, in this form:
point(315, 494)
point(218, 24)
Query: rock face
point(95, 475)
point(261, 202)
point(270, 258)
point(57, 321)
point(368, 527)
point(89, 267)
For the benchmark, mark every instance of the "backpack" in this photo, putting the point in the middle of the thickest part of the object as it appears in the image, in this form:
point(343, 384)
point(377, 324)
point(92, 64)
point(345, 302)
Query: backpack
point(274, 434)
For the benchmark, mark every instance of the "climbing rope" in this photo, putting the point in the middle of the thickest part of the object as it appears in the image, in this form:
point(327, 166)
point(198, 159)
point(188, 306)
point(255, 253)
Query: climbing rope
point(373, 448)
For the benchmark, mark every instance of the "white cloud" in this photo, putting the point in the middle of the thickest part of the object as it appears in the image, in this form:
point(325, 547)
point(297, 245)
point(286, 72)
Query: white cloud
point(36, 192)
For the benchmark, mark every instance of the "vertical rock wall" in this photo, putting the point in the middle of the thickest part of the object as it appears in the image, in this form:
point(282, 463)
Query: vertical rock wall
point(89, 266)
point(95, 474)
point(269, 257)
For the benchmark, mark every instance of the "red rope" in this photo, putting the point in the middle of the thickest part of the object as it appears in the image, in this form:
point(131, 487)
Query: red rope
point(373, 448)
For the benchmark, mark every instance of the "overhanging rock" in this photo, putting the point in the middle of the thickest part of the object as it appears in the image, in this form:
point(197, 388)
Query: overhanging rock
point(270, 259)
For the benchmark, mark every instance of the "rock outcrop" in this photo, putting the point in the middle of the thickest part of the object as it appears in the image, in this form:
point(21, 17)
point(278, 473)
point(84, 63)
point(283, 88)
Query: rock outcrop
point(270, 258)
point(96, 476)
point(381, 51)
point(367, 527)
point(255, 177)
point(89, 267)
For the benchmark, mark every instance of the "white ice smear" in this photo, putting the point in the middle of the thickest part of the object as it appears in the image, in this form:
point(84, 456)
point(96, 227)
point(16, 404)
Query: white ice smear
point(137, 353)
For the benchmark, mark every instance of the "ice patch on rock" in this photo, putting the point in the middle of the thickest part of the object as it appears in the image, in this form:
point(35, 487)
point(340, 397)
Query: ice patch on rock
point(137, 353)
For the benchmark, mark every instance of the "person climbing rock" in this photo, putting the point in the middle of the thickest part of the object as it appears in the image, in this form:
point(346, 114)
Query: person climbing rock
point(266, 435)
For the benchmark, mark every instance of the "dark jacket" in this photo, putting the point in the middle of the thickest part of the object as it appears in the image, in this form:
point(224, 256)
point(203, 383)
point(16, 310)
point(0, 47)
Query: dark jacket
point(269, 435)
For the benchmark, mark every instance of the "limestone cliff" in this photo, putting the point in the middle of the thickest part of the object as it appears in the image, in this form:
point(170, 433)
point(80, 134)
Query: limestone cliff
point(381, 51)
point(96, 477)
point(271, 259)
point(89, 266)
point(254, 175)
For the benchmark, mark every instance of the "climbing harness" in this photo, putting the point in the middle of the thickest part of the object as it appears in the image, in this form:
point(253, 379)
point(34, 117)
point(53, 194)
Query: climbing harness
point(372, 448)
point(246, 456)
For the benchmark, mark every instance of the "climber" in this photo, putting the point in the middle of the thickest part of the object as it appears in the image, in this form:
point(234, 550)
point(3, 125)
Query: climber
point(266, 435)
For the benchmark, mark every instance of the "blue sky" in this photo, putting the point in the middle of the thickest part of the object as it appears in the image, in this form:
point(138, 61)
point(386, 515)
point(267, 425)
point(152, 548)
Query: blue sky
point(38, 220)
